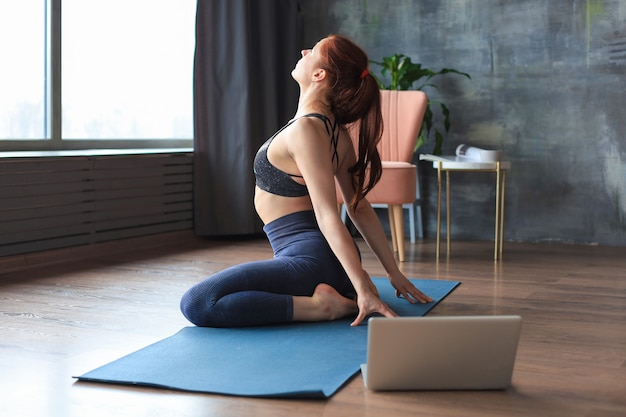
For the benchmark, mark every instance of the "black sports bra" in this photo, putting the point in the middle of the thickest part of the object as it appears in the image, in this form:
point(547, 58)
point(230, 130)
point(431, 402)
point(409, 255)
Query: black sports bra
point(275, 181)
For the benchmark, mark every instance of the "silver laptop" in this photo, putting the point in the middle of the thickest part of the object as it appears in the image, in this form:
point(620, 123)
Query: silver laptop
point(441, 353)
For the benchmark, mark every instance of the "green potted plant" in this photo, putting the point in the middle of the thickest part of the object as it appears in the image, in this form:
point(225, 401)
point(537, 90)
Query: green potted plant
point(402, 74)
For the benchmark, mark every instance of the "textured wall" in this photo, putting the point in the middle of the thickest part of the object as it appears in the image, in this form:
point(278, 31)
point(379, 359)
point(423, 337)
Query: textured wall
point(548, 85)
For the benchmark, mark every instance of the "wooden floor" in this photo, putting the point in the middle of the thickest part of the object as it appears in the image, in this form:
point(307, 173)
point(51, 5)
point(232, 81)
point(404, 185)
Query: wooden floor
point(89, 306)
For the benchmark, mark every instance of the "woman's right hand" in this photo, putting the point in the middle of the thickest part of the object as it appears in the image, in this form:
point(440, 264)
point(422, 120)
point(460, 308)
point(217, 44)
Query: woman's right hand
point(369, 302)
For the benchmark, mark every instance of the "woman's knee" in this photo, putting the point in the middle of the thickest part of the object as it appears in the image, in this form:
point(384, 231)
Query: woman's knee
point(197, 308)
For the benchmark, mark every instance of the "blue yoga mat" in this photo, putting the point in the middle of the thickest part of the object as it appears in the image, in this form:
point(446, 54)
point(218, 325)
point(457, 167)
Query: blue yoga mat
point(299, 360)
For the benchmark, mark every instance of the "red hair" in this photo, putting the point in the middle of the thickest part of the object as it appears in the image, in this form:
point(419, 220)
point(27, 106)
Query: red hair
point(354, 96)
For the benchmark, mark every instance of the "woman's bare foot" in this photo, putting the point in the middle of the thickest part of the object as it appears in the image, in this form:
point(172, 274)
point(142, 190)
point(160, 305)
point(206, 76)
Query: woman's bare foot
point(325, 304)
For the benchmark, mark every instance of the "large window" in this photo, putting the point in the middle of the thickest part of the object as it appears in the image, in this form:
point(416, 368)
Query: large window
point(23, 69)
point(96, 73)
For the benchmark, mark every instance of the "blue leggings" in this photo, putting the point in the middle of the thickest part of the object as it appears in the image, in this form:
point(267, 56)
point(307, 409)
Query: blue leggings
point(261, 292)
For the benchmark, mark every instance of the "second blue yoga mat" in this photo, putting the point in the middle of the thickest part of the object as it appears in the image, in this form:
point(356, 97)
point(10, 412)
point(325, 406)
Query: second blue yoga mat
point(300, 360)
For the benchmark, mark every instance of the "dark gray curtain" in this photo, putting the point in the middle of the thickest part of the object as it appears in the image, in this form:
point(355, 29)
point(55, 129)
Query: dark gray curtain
point(243, 92)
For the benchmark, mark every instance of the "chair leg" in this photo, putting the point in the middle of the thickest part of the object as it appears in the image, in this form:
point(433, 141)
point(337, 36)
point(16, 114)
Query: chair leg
point(420, 225)
point(411, 208)
point(343, 212)
point(399, 228)
point(392, 228)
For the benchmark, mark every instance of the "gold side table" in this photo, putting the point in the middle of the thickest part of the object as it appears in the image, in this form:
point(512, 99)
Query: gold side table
point(449, 164)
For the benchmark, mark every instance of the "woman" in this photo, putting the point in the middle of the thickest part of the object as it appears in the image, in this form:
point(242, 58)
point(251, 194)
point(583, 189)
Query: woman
point(316, 272)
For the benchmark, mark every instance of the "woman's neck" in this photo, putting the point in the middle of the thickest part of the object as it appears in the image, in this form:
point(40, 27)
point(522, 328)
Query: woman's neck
point(312, 102)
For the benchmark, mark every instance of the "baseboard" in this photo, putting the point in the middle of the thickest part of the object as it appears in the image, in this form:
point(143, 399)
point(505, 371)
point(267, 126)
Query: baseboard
point(45, 258)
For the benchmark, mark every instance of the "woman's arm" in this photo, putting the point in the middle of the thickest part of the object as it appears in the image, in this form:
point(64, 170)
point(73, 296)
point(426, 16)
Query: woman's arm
point(367, 223)
point(309, 147)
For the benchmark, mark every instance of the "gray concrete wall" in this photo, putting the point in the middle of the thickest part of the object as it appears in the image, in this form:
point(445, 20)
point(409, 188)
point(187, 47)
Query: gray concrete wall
point(548, 87)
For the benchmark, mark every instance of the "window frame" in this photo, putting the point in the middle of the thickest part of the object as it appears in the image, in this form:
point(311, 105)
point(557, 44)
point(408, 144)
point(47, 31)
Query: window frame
point(55, 141)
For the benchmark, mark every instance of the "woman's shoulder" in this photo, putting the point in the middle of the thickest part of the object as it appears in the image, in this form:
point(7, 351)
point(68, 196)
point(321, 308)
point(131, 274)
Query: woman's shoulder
point(307, 126)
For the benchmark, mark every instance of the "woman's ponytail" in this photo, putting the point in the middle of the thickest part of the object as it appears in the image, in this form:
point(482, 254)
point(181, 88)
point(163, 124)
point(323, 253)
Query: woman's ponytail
point(368, 168)
point(354, 96)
